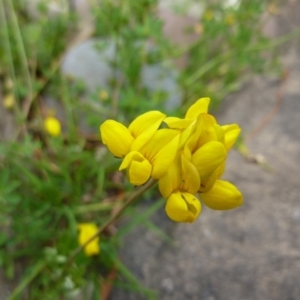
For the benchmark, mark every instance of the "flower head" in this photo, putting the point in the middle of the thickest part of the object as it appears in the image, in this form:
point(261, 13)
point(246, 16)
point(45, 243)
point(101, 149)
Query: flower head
point(222, 196)
point(52, 126)
point(120, 140)
point(9, 101)
point(147, 150)
point(153, 159)
point(188, 158)
point(179, 186)
point(187, 126)
point(86, 231)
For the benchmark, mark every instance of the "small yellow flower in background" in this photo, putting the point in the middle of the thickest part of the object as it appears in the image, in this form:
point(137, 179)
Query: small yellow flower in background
point(9, 101)
point(208, 15)
point(52, 126)
point(103, 95)
point(86, 231)
point(229, 20)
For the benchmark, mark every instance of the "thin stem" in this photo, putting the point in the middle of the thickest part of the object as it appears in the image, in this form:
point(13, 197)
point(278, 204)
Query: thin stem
point(27, 280)
point(21, 47)
point(84, 34)
point(94, 207)
point(224, 56)
point(128, 200)
point(8, 50)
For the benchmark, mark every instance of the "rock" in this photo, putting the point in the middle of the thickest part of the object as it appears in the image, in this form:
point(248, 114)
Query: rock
point(93, 66)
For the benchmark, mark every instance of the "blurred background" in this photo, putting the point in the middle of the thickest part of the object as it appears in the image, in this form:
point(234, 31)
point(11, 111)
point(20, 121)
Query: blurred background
point(82, 62)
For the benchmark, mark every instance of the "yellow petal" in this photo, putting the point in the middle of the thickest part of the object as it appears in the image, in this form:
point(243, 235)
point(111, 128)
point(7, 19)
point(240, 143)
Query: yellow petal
point(201, 106)
point(177, 123)
point(185, 135)
point(171, 181)
point(129, 157)
point(161, 151)
point(139, 172)
point(117, 137)
point(231, 133)
point(211, 131)
point(206, 130)
point(190, 177)
point(222, 196)
point(86, 231)
point(52, 126)
point(144, 127)
point(220, 134)
point(9, 101)
point(209, 183)
point(192, 142)
point(181, 175)
point(138, 168)
point(183, 207)
point(208, 157)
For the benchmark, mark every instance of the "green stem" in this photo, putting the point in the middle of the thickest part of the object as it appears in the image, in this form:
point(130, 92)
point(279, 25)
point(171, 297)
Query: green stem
point(94, 207)
point(4, 23)
point(25, 282)
point(128, 200)
point(21, 48)
point(222, 57)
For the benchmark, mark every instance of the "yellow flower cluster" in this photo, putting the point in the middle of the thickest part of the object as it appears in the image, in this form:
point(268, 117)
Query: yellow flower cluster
point(187, 158)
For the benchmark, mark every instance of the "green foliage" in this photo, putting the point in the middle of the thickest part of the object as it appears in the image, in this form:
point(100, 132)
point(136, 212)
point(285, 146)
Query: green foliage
point(227, 50)
point(48, 185)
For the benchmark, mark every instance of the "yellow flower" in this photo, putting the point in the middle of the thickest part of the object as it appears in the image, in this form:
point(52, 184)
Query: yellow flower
point(229, 20)
point(231, 132)
point(188, 158)
point(86, 231)
point(208, 15)
point(207, 184)
point(208, 158)
point(179, 186)
point(103, 95)
point(120, 140)
point(206, 130)
point(52, 126)
point(9, 101)
point(205, 147)
point(183, 207)
point(222, 196)
point(147, 151)
point(199, 107)
point(153, 159)
point(187, 126)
